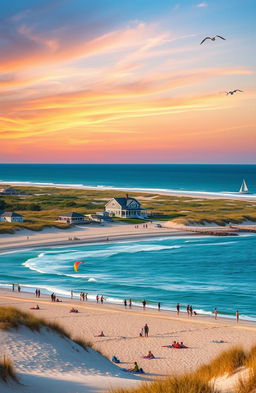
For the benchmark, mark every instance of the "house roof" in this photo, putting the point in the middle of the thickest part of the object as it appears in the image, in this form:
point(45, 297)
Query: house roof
point(125, 202)
point(72, 215)
point(11, 214)
point(8, 189)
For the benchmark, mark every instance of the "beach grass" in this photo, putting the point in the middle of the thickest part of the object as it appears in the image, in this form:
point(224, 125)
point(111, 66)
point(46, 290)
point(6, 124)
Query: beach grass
point(7, 370)
point(175, 384)
point(42, 205)
point(226, 363)
point(11, 317)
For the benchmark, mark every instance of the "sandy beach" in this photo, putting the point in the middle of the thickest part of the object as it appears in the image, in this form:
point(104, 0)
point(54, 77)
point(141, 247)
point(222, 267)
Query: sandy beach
point(83, 234)
point(122, 327)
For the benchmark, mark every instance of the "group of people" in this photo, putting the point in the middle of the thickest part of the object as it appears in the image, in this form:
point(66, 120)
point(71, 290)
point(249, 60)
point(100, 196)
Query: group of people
point(189, 309)
point(38, 293)
point(83, 296)
point(100, 298)
point(18, 287)
point(74, 310)
point(144, 331)
point(55, 299)
point(176, 345)
point(128, 303)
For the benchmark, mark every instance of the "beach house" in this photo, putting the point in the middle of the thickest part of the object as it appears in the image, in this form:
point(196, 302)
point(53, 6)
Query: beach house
point(71, 218)
point(11, 217)
point(125, 208)
point(8, 191)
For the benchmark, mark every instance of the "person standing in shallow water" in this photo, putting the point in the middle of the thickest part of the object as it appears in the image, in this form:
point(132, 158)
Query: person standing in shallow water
point(144, 304)
point(178, 308)
point(237, 316)
point(159, 306)
point(215, 313)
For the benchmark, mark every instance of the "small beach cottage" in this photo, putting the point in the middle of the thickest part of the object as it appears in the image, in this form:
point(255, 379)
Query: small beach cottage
point(72, 218)
point(8, 191)
point(125, 208)
point(11, 217)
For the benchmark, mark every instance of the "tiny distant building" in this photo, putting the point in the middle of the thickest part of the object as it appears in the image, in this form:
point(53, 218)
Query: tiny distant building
point(71, 218)
point(11, 217)
point(125, 208)
point(99, 217)
point(8, 191)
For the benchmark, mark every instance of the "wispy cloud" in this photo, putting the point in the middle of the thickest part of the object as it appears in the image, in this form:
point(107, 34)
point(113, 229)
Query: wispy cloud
point(202, 5)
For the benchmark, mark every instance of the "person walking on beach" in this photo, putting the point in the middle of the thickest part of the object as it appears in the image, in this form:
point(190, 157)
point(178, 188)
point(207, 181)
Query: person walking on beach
point(38, 293)
point(97, 298)
point(188, 309)
point(237, 316)
point(86, 296)
point(19, 288)
point(215, 313)
point(13, 287)
point(146, 330)
point(144, 304)
point(178, 308)
point(125, 303)
point(71, 294)
point(130, 303)
point(159, 306)
point(101, 299)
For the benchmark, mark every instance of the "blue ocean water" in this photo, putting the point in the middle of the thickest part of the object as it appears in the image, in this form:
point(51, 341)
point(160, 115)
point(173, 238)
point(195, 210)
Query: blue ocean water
point(206, 272)
point(204, 178)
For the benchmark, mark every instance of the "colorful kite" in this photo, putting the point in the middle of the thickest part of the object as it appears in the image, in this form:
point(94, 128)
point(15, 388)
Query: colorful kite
point(76, 264)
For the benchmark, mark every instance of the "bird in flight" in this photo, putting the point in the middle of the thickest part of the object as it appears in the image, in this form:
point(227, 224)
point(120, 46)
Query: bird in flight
point(212, 38)
point(231, 92)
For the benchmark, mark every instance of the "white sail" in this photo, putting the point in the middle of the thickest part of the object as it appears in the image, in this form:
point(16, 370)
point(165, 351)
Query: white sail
point(243, 188)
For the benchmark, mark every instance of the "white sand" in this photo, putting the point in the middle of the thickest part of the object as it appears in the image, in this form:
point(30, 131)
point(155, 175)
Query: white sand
point(85, 234)
point(48, 363)
point(122, 326)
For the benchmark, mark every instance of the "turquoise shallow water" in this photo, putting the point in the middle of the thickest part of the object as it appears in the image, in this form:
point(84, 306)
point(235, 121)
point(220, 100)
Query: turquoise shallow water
point(206, 272)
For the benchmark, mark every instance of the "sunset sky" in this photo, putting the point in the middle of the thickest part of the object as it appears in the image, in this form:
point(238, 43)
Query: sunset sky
point(107, 81)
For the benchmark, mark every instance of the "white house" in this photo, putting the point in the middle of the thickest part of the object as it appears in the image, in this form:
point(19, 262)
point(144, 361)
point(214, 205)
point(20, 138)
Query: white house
point(125, 208)
point(11, 217)
point(72, 218)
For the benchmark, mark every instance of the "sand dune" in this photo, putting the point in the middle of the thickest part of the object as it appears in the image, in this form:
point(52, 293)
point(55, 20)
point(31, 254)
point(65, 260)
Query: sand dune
point(48, 363)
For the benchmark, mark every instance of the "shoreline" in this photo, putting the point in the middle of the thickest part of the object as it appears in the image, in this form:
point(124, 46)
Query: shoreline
point(158, 191)
point(170, 312)
point(25, 239)
point(122, 326)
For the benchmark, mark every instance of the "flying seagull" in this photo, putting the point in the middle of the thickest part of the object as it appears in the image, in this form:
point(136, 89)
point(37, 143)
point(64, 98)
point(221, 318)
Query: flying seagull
point(212, 38)
point(231, 92)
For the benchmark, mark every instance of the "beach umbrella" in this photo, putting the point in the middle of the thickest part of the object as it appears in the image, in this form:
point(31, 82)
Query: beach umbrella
point(76, 265)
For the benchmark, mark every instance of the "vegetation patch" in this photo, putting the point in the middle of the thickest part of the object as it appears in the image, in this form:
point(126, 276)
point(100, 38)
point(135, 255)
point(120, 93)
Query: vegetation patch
point(41, 206)
point(7, 371)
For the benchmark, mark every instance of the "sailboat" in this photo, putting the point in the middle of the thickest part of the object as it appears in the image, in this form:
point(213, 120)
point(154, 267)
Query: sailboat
point(244, 189)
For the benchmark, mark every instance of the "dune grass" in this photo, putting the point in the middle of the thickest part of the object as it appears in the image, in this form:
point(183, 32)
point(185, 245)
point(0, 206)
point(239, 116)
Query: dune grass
point(176, 384)
point(11, 317)
point(248, 383)
point(226, 363)
point(7, 371)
